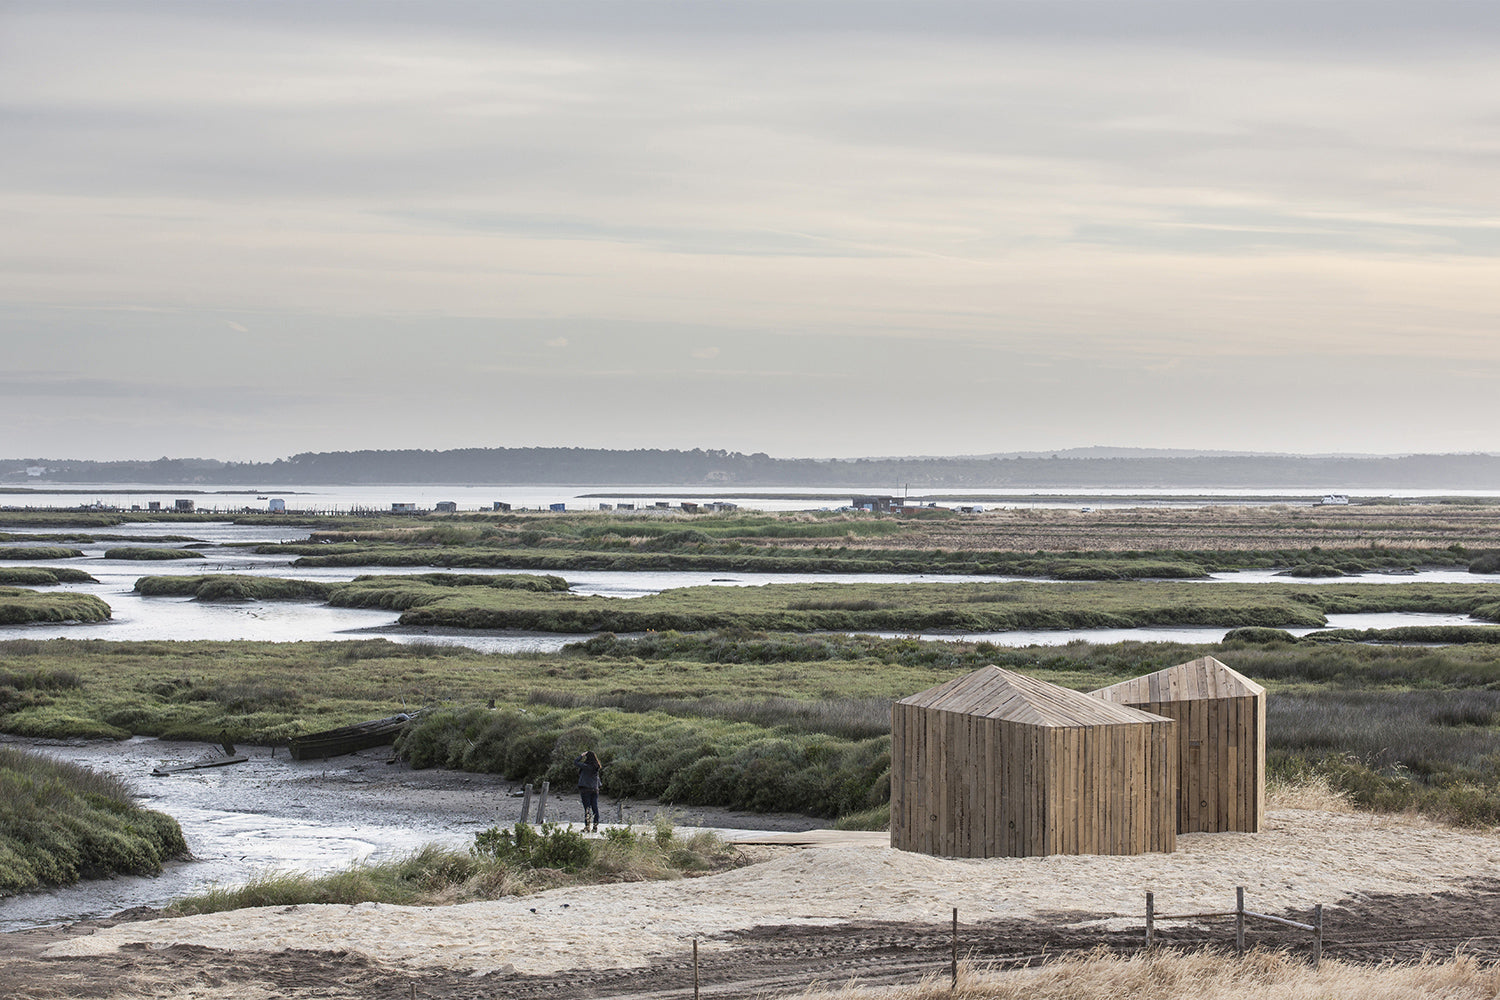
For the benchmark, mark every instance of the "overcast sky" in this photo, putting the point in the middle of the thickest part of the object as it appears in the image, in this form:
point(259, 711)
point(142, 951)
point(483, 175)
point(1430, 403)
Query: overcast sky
point(247, 229)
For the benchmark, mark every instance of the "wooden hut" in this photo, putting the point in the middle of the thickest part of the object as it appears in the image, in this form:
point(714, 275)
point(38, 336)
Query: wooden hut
point(1221, 733)
point(998, 764)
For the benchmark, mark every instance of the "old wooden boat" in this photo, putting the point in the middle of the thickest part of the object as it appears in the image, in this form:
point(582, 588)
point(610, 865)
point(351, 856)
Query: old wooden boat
point(348, 739)
point(198, 765)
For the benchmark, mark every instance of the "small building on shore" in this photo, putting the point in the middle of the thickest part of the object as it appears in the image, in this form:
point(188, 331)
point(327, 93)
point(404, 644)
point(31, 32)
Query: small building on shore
point(1221, 741)
point(999, 764)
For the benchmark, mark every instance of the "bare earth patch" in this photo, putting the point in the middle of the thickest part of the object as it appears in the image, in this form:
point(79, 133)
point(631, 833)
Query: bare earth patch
point(823, 913)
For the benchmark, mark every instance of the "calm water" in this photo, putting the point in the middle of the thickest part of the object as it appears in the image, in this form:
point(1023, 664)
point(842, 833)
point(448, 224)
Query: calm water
point(471, 497)
point(141, 618)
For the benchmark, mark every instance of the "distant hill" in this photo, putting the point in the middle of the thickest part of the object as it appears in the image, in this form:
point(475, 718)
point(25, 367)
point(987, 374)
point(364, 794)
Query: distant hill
point(1093, 467)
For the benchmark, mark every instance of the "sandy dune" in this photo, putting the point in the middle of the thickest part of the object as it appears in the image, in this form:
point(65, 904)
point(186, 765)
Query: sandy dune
point(1302, 858)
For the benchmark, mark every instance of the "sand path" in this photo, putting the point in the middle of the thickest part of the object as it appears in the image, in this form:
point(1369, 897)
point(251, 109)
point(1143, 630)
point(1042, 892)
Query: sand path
point(1302, 858)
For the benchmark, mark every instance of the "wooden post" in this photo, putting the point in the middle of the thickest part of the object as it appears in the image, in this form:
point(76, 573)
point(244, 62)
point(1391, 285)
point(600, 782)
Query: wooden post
point(955, 948)
point(525, 804)
point(619, 812)
point(1318, 935)
point(1239, 920)
point(695, 969)
point(1150, 919)
point(541, 806)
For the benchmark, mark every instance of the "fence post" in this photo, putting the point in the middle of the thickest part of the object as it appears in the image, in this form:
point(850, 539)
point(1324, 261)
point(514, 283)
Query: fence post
point(526, 804)
point(1239, 920)
point(1150, 919)
point(1318, 936)
point(695, 969)
point(955, 948)
point(541, 806)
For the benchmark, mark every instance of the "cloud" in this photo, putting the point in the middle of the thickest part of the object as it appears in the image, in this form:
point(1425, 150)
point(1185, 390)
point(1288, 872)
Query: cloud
point(956, 193)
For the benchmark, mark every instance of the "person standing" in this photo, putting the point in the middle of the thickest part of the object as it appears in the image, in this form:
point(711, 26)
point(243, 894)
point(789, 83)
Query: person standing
point(590, 780)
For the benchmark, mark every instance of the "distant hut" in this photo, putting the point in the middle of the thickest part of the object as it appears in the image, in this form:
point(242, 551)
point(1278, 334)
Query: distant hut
point(998, 764)
point(1221, 734)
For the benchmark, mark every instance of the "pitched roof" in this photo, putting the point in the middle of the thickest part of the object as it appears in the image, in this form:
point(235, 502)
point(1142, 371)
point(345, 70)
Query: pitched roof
point(1202, 679)
point(996, 693)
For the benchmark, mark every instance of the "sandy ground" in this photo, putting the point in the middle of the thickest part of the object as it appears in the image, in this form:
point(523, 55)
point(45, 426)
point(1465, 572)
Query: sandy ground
point(1301, 858)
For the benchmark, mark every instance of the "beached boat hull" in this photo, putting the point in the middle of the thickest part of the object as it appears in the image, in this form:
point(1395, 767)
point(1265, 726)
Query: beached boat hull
point(349, 739)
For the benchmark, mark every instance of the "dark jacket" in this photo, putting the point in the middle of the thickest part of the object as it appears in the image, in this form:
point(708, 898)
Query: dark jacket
point(590, 775)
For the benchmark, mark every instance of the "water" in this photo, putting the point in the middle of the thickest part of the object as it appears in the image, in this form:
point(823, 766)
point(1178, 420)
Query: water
point(136, 617)
point(472, 497)
point(270, 813)
point(275, 814)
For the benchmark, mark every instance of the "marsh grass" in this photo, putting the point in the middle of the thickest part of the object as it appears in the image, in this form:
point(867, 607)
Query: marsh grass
point(21, 607)
point(684, 761)
point(851, 718)
point(740, 717)
point(42, 576)
point(953, 607)
point(60, 822)
point(510, 861)
point(138, 553)
point(36, 552)
point(232, 587)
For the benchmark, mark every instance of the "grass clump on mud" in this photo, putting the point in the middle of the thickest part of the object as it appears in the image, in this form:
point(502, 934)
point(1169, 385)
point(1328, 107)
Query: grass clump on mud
point(23, 607)
point(60, 822)
point(37, 552)
point(232, 587)
point(508, 861)
point(42, 576)
point(136, 553)
point(389, 592)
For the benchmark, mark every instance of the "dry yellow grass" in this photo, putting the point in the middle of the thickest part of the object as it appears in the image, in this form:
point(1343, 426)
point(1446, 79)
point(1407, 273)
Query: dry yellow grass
point(1312, 792)
point(1168, 975)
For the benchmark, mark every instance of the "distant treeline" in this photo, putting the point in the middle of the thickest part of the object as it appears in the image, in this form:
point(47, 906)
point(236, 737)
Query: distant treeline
point(595, 466)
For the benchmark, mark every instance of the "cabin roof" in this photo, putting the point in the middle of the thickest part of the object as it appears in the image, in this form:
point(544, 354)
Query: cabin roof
point(995, 693)
point(1203, 679)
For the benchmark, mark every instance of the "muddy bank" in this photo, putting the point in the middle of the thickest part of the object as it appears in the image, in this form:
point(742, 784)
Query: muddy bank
point(275, 813)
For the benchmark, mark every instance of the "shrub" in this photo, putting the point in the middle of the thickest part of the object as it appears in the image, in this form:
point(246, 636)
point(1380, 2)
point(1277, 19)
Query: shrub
point(525, 846)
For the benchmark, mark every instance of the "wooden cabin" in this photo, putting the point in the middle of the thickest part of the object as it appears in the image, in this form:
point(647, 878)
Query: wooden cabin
point(998, 764)
point(1221, 734)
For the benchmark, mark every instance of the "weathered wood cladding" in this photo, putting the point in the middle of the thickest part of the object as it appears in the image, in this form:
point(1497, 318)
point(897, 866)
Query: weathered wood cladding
point(1221, 734)
point(997, 764)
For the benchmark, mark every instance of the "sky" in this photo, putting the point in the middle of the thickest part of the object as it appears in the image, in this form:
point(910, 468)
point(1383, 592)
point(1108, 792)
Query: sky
point(821, 228)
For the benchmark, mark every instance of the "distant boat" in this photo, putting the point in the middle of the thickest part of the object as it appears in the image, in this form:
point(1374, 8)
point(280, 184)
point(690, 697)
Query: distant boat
point(1334, 500)
point(349, 739)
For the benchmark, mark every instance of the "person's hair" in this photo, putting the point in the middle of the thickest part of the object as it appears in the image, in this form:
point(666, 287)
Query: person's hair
point(592, 759)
